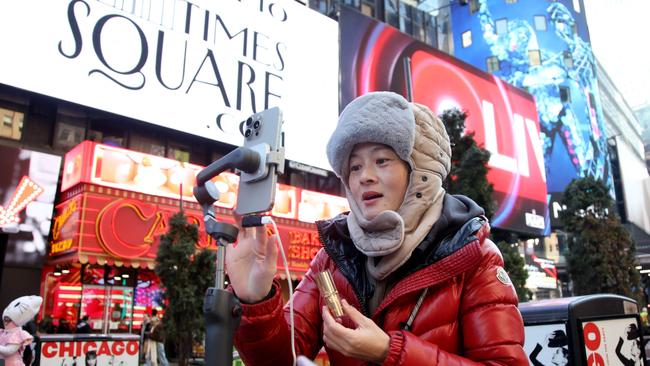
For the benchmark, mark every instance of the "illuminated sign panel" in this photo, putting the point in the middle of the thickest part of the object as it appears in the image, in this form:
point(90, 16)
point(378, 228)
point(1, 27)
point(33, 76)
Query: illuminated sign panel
point(25, 193)
point(133, 171)
point(197, 66)
point(542, 273)
point(504, 119)
point(545, 48)
point(100, 351)
point(113, 188)
point(28, 182)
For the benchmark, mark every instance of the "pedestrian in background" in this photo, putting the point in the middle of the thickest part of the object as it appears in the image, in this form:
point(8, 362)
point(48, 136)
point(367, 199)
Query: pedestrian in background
point(83, 326)
point(158, 336)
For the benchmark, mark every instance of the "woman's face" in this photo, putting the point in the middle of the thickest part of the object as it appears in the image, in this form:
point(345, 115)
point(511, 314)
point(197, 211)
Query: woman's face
point(378, 179)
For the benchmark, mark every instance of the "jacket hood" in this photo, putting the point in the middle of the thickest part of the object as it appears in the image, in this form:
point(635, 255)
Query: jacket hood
point(459, 222)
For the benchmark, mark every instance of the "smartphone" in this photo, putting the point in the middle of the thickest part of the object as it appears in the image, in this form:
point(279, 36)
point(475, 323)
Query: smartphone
point(262, 133)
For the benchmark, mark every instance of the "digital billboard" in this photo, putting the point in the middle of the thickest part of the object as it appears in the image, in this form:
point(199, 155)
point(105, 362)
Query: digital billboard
point(544, 47)
point(375, 56)
point(27, 189)
point(196, 66)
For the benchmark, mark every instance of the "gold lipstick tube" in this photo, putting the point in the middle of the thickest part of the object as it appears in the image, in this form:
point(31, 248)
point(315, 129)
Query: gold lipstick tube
point(328, 290)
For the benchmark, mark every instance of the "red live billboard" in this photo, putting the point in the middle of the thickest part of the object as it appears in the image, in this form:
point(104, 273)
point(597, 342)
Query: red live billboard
point(375, 56)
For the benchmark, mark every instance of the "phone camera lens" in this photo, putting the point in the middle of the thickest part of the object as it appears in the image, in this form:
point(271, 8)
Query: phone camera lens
point(256, 125)
point(248, 132)
point(249, 121)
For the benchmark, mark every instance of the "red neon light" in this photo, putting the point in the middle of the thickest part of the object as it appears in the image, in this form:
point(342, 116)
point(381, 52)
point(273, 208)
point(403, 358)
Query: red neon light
point(26, 192)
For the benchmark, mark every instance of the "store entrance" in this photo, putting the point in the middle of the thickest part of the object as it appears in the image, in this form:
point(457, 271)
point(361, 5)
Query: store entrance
point(109, 308)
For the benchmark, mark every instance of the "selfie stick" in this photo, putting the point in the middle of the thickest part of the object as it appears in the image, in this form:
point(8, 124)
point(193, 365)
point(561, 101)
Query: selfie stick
point(221, 309)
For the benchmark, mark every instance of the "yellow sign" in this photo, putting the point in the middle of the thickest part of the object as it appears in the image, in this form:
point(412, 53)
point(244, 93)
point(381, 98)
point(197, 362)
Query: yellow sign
point(60, 220)
point(61, 246)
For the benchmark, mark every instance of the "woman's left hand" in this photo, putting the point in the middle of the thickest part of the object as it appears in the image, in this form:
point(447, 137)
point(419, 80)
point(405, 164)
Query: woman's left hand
point(367, 342)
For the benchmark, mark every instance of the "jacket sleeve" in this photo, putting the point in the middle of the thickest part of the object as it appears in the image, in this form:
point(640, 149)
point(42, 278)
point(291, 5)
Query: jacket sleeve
point(264, 337)
point(491, 327)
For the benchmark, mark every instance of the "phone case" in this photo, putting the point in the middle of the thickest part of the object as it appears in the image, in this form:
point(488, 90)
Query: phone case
point(262, 133)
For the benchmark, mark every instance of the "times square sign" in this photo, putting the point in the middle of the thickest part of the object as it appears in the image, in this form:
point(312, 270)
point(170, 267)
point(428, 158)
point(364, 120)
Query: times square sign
point(196, 66)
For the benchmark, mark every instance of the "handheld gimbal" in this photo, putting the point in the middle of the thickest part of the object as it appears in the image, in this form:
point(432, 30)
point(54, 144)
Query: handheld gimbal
point(221, 309)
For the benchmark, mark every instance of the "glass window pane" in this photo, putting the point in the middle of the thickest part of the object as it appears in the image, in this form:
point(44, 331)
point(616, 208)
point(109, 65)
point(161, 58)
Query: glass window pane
point(467, 38)
point(534, 57)
point(565, 95)
point(68, 135)
point(502, 26)
point(418, 25)
point(431, 32)
point(540, 22)
point(492, 64)
point(93, 302)
point(473, 6)
point(567, 58)
point(390, 12)
point(405, 23)
point(120, 313)
point(368, 9)
point(147, 144)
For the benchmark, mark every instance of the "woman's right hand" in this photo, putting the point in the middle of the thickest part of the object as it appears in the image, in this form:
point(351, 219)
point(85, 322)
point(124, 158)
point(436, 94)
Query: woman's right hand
point(252, 263)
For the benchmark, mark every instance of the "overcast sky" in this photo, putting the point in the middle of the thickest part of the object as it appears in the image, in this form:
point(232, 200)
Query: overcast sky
point(620, 33)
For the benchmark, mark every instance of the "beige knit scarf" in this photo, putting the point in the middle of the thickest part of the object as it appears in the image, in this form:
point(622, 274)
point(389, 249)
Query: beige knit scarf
point(393, 235)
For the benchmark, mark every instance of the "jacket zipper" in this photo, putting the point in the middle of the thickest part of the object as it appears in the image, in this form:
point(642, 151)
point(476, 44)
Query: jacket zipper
point(361, 301)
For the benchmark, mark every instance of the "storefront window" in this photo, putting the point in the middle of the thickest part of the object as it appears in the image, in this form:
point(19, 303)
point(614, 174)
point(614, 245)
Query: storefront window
point(12, 123)
point(148, 296)
point(107, 131)
point(93, 304)
point(179, 152)
point(109, 308)
point(62, 293)
point(68, 135)
point(147, 144)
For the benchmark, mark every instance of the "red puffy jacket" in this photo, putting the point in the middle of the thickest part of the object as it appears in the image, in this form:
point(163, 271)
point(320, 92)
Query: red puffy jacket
point(469, 315)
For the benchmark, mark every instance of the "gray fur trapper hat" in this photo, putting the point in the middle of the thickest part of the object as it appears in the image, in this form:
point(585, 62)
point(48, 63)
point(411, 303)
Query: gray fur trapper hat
point(381, 117)
point(419, 138)
point(388, 118)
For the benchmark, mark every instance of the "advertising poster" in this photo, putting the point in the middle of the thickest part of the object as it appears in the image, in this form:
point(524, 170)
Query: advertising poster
point(612, 342)
point(199, 66)
point(375, 56)
point(542, 273)
point(544, 46)
point(547, 345)
point(98, 352)
point(27, 189)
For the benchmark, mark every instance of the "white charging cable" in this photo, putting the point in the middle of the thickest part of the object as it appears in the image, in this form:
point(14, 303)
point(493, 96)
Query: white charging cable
point(269, 220)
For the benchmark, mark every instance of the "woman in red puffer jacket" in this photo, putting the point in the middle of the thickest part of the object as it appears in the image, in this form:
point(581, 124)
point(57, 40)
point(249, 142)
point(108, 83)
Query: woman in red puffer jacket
point(421, 284)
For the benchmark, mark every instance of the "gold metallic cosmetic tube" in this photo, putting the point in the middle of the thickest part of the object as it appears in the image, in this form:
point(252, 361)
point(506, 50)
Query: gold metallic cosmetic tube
point(328, 290)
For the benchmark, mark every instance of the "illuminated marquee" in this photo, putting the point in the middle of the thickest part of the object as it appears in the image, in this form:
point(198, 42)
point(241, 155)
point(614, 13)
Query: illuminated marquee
point(133, 171)
point(26, 192)
point(120, 202)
